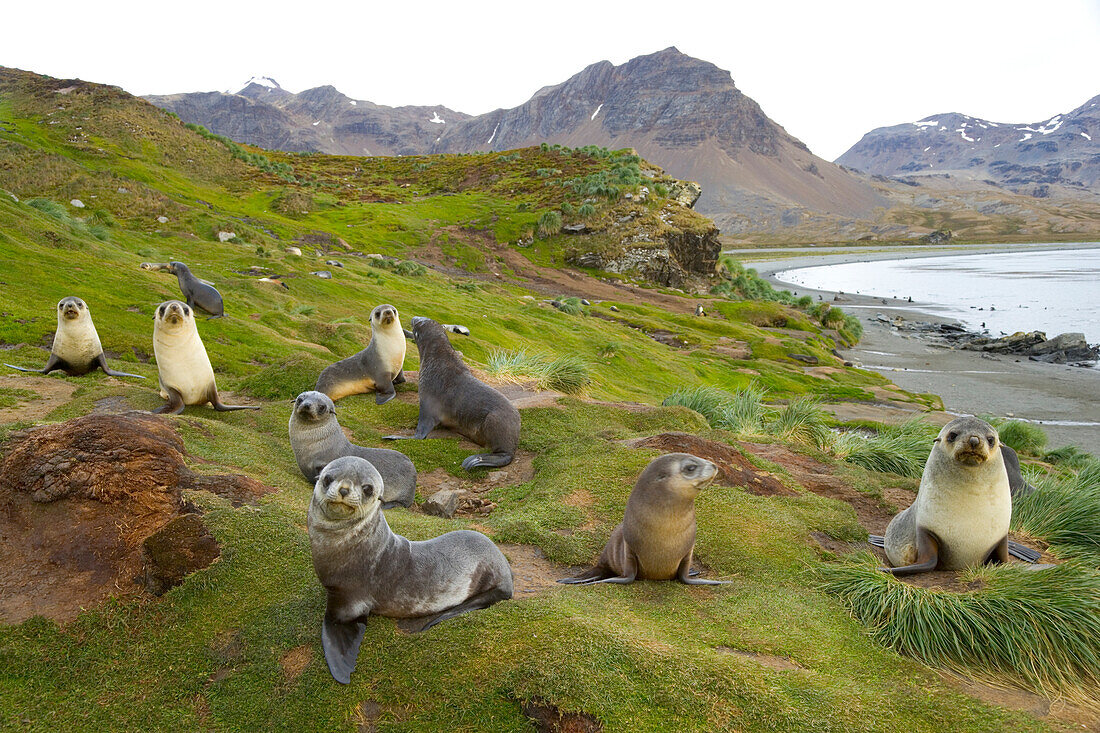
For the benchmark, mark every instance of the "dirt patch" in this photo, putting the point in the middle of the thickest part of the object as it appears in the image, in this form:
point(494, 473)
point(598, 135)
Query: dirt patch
point(474, 487)
point(295, 661)
point(581, 498)
point(77, 502)
point(733, 468)
point(549, 719)
point(366, 716)
point(1026, 702)
point(53, 392)
point(532, 571)
point(780, 664)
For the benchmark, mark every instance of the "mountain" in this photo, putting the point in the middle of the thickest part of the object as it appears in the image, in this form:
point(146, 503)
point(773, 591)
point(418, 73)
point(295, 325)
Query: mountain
point(322, 119)
point(1063, 150)
point(681, 113)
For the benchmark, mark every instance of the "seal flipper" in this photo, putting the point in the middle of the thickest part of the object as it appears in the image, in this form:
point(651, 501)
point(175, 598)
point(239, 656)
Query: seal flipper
point(481, 600)
point(175, 403)
point(340, 642)
point(999, 554)
point(685, 575)
point(588, 576)
point(400, 378)
point(26, 369)
point(487, 460)
point(101, 361)
point(928, 555)
point(386, 392)
point(220, 407)
point(52, 364)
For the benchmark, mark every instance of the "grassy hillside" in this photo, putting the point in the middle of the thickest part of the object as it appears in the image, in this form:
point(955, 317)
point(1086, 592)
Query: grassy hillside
point(236, 647)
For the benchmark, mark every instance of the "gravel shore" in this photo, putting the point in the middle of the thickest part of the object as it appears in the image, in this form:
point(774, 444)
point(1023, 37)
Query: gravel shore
point(1064, 399)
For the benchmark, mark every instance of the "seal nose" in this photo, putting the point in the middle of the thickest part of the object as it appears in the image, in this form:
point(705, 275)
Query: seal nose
point(974, 441)
point(343, 491)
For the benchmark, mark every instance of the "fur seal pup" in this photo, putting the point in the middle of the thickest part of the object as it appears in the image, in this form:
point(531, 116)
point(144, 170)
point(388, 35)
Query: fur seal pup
point(377, 367)
point(76, 349)
point(186, 377)
point(316, 438)
point(963, 506)
point(452, 397)
point(365, 568)
point(197, 293)
point(657, 536)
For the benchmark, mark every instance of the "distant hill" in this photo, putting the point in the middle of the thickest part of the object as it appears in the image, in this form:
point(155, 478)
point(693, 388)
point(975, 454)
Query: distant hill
point(1028, 158)
point(681, 113)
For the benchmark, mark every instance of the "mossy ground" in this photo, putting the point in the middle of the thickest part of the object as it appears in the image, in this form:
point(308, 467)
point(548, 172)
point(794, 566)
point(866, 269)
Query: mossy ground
point(209, 654)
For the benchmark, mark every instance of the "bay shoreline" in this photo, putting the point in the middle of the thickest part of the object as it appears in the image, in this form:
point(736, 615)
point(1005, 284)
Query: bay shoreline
point(1065, 400)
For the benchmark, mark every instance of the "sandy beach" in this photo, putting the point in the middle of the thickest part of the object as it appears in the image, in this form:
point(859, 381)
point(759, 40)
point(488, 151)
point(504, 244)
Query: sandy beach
point(1064, 399)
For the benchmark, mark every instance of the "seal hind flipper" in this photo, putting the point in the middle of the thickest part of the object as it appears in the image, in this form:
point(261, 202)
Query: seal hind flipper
point(26, 369)
point(400, 378)
point(175, 403)
point(928, 555)
point(221, 407)
point(487, 460)
point(101, 360)
point(1018, 551)
point(475, 603)
point(340, 642)
point(385, 393)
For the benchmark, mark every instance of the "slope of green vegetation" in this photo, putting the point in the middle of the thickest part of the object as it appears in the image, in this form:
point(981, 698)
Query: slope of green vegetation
point(769, 651)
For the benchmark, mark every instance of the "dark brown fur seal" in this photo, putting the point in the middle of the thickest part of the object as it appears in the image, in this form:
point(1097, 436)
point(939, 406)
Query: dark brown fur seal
point(367, 569)
point(452, 397)
point(196, 293)
point(657, 536)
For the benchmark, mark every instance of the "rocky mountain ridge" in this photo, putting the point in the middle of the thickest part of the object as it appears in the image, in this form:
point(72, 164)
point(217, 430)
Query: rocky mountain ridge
point(682, 113)
point(1027, 158)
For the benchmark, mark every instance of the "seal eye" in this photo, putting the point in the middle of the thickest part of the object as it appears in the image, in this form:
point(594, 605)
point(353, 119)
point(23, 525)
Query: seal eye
point(951, 437)
point(992, 440)
point(689, 468)
point(327, 481)
point(161, 311)
point(368, 489)
point(186, 311)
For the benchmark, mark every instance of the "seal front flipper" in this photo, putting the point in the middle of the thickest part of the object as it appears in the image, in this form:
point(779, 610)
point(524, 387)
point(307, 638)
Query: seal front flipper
point(175, 403)
point(341, 644)
point(385, 393)
point(928, 555)
point(400, 378)
point(26, 369)
point(686, 576)
point(102, 362)
point(999, 554)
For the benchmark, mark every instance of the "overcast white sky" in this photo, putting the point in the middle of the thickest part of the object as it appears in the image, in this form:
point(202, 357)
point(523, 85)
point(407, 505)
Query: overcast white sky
point(827, 70)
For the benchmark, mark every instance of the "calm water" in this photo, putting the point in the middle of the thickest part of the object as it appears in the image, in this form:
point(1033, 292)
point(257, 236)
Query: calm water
point(1052, 291)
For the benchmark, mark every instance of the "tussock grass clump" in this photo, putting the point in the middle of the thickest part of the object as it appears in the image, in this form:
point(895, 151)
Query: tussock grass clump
point(571, 306)
point(742, 411)
point(802, 421)
point(549, 224)
point(1022, 437)
point(902, 449)
point(1064, 513)
point(1041, 628)
point(1069, 456)
point(568, 374)
point(284, 379)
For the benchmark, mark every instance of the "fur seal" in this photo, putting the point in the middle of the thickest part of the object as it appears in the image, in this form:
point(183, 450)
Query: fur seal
point(377, 367)
point(452, 397)
point(657, 536)
point(963, 506)
point(1016, 482)
point(197, 293)
point(76, 349)
point(186, 377)
point(365, 568)
point(316, 438)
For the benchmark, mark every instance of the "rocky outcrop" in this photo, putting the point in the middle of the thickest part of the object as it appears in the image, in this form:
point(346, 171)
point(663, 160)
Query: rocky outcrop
point(672, 259)
point(80, 499)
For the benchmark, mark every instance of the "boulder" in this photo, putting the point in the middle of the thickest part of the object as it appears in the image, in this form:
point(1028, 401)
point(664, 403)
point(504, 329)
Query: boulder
point(685, 193)
point(443, 503)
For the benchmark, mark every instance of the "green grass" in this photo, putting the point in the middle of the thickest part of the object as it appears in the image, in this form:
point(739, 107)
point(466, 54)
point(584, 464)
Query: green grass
point(1040, 629)
point(902, 449)
point(1022, 437)
point(567, 374)
point(1065, 513)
